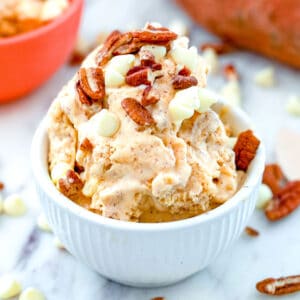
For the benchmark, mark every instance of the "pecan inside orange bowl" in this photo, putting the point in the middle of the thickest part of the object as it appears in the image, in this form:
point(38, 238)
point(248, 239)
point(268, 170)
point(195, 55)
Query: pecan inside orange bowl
point(148, 254)
point(29, 59)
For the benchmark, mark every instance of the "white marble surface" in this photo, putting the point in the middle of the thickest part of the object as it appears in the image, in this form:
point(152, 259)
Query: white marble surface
point(30, 254)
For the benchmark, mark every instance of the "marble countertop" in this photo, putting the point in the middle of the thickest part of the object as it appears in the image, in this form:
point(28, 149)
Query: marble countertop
point(30, 253)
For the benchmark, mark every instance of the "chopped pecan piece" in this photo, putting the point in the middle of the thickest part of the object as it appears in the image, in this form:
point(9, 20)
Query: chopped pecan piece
point(158, 298)
point(78, 168)
point(77, 58)
point(157, 36)
point(71, 185)
point(92, 82)
point(284, 202)
point(137, 112)
point(86, 145)
point(184, 82)
point(273, 177)
point(137, 75)
point(153, 28)
point(147, 99)
point(251, 231)
point(279, 286)
point(132, 47)
point(147, 58)
point(220, 48)
point(1, 185)
point(83, 98)
point(245, 149)
point(230, 72)
point(184, 71)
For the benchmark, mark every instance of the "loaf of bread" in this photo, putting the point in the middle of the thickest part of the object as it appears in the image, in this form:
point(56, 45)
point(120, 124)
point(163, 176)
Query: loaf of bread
point(270, 27)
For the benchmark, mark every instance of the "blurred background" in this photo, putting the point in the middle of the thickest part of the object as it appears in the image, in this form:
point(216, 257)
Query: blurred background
point(268, 91)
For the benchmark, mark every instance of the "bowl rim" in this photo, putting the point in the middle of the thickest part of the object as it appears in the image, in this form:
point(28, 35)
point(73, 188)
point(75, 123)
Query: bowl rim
point(42, 178)
point(35, 33)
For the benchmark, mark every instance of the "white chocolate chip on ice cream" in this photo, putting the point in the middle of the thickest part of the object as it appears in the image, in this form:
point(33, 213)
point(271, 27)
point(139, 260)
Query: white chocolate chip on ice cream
point(186, 57)
point(53, 8)
point(9, 287)
point(32, 294)
point(207, 99)
point(106, 123)
point(59, 171)
point(113, 78)
point(121, 63)
point(159, 52)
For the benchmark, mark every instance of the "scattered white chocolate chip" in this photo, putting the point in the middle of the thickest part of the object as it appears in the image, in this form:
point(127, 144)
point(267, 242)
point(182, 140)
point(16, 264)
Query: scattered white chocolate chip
point(179, 27)
point(184, 103)
point(231, 93)
point(106, 123)
point(58, 243)
point(231, 141)
point(29, 9)
point(211, 58)
point(207, 99)
point(121, 63)
point(293, 105)
point(186, 57)
point(59, 171)
point(42, 223)
point(9, 287)
point(52, 9)
point(113, 78)
point(31, 294)
point(14, 206)
point(158, 51)
point(265, 77)
point(90, 187)
point(264, 196)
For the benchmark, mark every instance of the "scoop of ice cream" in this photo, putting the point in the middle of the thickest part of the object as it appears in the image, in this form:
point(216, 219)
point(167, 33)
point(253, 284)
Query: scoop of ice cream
point(132, 135)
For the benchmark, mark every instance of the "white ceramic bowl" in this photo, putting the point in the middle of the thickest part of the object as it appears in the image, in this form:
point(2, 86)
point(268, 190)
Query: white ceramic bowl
point(146, 255)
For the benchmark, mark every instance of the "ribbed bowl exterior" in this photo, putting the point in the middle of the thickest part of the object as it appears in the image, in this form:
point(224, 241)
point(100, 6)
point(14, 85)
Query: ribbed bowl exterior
point(147, 259)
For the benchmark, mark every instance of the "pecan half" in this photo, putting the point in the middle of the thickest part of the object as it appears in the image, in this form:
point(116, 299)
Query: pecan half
point(83, 98)
point(137, 75)
point(157, 36)
point(251, 231)
point(273, 177)
point(245, 149)
point(147, 99)
point(279, 286)
point(184, 71)
point(137, 112)
point(132, 47)
point(220, 48)
point(285, 202)
point(71, 185)
point(86, 145)
point(92, 82)
point(230, 72)
point(184, 82)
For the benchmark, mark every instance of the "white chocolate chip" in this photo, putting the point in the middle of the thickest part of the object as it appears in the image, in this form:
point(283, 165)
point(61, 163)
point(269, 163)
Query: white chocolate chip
point(52, 9)
point(211, 58)
point(207, 99)
point(121, 63)
point(32, 294)
point(293, 105)
point(265, 77)
point(264, 196)
point(9, 287)
point(14, 206)
point(159, 52)
point(231, 141)
point(59, 171)
point(180, 42)
point(106, 123)
point(42, 223)
point(179, 112)
point(231, 93)
point(113, 78)
point(90, 187)
point(29, 9)
point(186, 57)
point(188, 97)
point(58, 243)
point(178, 27)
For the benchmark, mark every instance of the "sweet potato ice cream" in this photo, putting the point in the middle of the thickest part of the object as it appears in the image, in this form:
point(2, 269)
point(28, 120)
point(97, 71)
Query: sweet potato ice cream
point(132, 135)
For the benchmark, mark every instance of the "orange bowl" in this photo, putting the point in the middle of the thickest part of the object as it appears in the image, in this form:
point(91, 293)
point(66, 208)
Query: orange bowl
point(29, 59)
